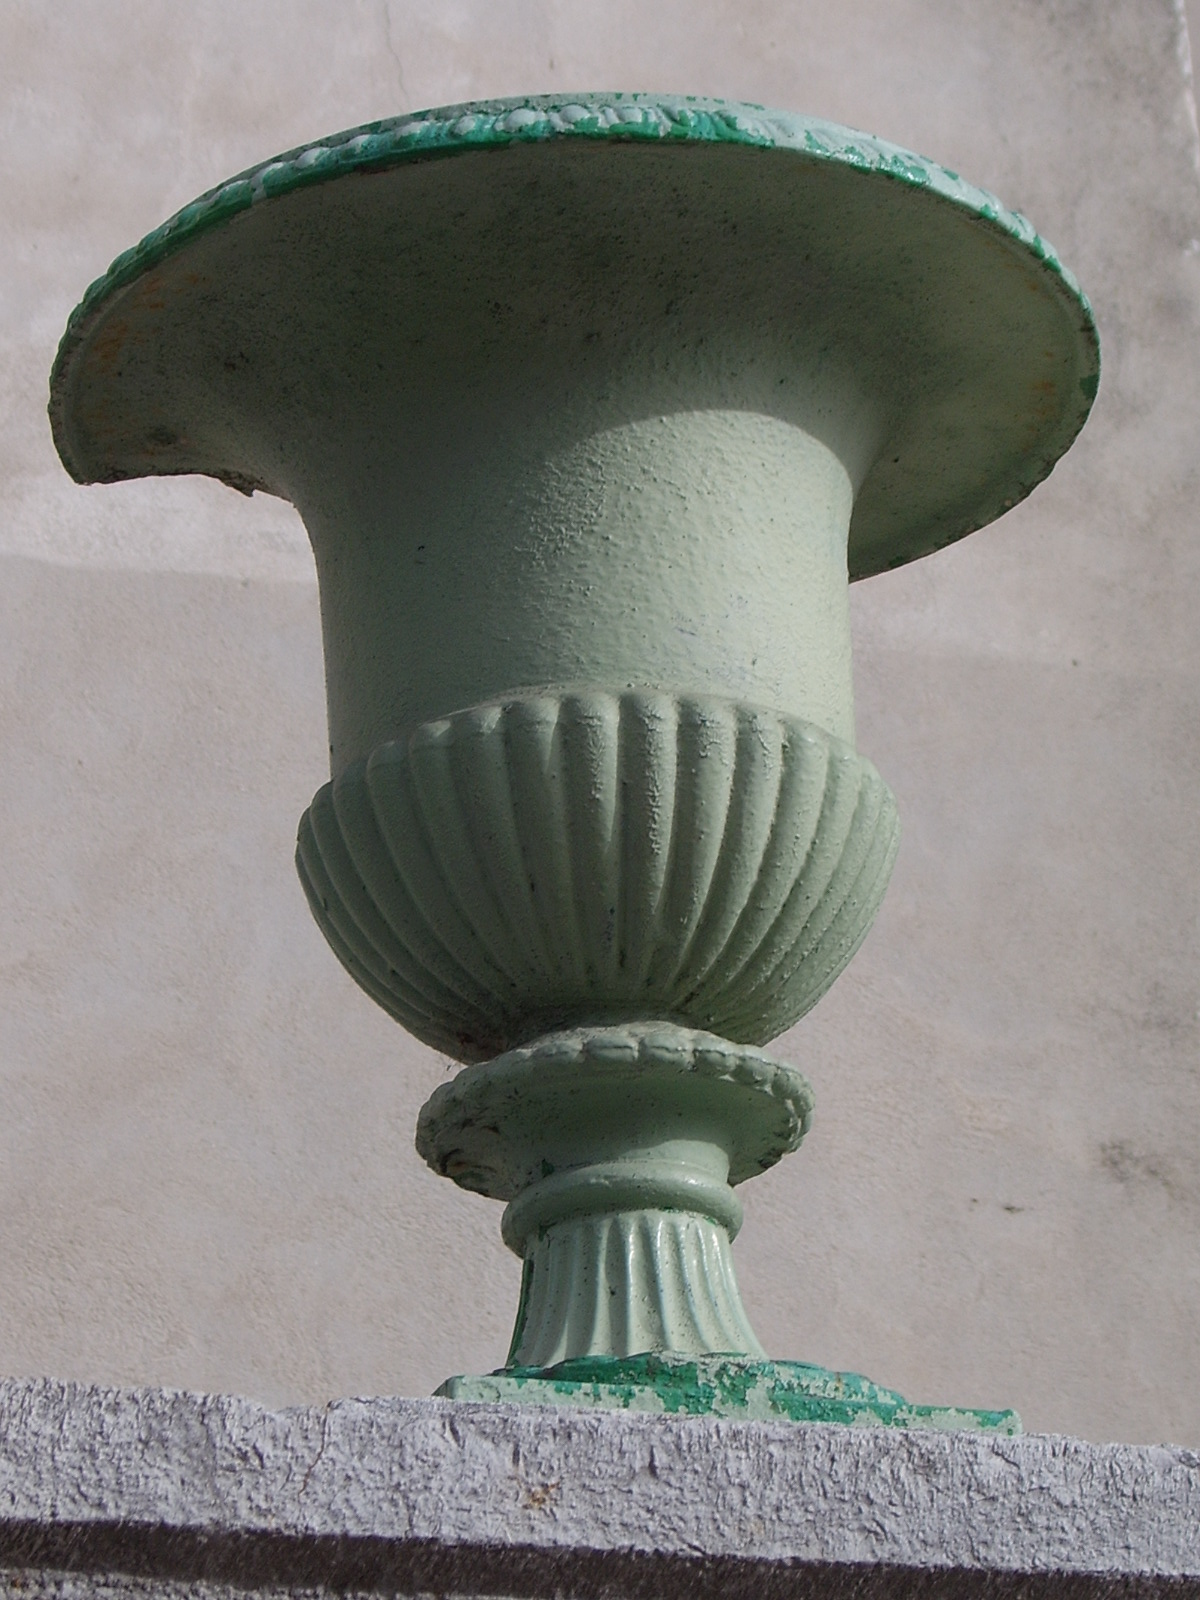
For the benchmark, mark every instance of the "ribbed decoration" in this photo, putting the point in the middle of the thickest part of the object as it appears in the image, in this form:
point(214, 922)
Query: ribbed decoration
point(588, 856)
point(627, 1282)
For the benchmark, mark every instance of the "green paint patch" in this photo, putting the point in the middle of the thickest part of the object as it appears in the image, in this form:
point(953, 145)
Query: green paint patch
point(722, 1386)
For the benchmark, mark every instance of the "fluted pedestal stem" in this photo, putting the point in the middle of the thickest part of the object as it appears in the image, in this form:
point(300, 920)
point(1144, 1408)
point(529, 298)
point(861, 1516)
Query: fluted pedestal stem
point(617, 1148)
point(623, 1282)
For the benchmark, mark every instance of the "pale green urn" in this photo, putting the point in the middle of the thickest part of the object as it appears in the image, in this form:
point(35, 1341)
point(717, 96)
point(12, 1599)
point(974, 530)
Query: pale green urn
point(591, 409)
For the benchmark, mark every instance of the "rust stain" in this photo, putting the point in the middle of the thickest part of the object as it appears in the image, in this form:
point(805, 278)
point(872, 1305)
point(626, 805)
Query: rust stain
point(539, 1496)
point(109, 342)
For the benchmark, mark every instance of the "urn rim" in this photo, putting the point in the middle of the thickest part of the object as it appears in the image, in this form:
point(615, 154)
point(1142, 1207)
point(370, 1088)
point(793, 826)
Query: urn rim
point(1060, 384)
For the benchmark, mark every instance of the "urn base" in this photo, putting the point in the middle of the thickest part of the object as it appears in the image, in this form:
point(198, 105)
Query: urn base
point(721, 1386)
point(616, 1149)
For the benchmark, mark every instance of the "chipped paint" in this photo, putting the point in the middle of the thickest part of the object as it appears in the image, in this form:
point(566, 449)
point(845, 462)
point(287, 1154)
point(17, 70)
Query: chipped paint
point(722, 1386)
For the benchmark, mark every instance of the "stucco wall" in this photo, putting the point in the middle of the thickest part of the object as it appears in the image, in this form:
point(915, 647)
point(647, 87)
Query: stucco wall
point(206, 1166)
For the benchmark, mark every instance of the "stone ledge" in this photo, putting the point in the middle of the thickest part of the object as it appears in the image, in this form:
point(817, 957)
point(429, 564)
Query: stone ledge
point(140, 1492)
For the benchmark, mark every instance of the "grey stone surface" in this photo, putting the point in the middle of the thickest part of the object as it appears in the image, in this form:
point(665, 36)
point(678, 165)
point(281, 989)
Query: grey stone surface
point(101, 1487)
point(206, 1166)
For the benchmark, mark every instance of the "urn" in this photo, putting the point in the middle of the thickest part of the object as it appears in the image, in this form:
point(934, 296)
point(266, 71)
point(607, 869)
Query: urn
point(592, 409)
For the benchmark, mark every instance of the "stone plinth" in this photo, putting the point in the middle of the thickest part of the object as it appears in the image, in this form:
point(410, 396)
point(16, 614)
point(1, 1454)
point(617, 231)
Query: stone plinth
point(107, 1492)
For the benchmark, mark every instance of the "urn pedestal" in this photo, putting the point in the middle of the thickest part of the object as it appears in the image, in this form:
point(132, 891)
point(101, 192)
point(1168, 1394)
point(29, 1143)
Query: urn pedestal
point(592, 408)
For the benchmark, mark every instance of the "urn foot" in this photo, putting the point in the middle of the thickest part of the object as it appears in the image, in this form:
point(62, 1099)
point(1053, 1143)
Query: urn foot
point(617, 1148)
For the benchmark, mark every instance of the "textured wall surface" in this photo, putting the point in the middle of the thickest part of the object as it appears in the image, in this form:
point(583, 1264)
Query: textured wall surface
point(206, 1166)
point(427, 1496)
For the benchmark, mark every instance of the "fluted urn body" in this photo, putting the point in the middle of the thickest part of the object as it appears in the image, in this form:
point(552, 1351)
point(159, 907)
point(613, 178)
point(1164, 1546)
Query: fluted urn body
point(591, 410)
point(591, 856)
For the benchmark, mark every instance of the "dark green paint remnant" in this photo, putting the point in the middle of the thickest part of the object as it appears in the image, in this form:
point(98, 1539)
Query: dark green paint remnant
point(725, 1386)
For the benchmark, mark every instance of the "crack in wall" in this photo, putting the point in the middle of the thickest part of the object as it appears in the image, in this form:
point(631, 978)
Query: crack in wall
point(390, 46)
point(1183, 49)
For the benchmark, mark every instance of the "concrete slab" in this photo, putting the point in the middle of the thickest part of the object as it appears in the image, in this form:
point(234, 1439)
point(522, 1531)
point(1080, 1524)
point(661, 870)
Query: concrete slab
point(122, 1492)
